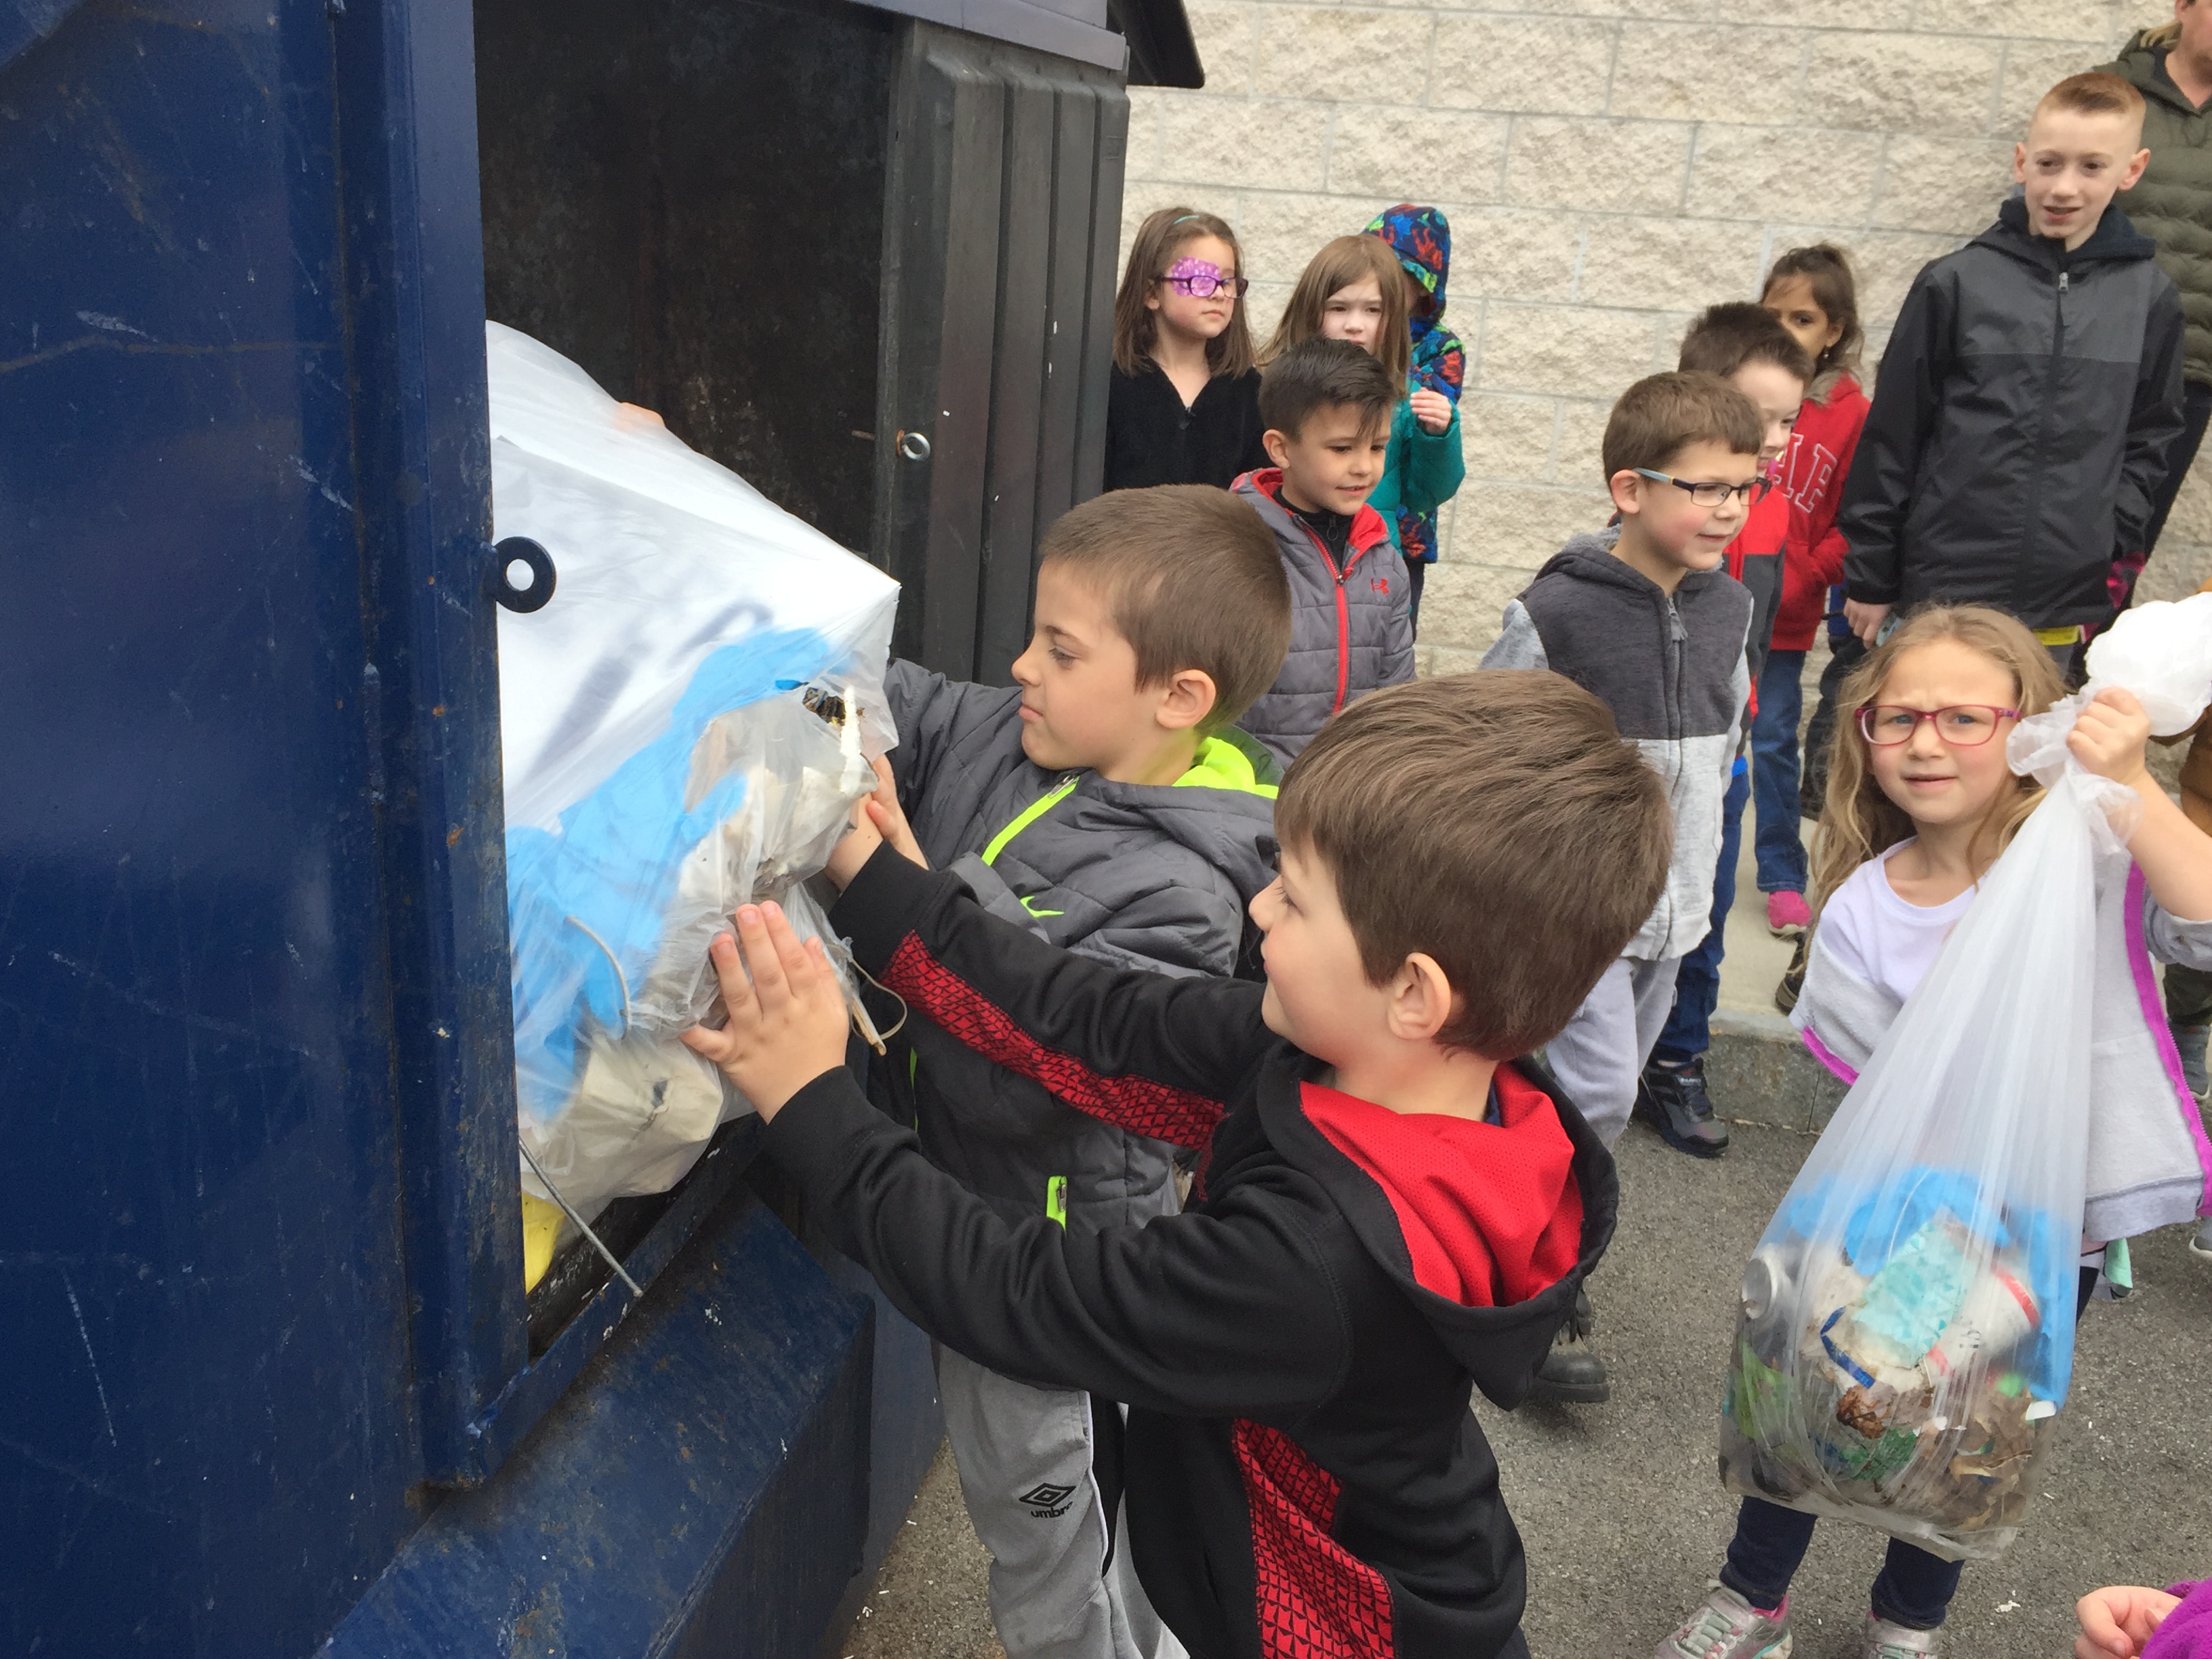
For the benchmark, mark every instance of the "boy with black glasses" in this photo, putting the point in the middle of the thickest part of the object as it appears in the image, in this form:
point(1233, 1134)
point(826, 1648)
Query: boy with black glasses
point(1644, 616)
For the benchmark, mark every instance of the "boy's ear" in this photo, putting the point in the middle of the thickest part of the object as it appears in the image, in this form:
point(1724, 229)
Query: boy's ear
point(1422, 999)
point(1188, 699)
point(2133, 174)
point(1626, 488)
point(1278, 445)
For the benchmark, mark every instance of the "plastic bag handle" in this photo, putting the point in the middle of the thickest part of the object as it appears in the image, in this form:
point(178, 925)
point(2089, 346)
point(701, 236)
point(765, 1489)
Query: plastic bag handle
point(520, 549)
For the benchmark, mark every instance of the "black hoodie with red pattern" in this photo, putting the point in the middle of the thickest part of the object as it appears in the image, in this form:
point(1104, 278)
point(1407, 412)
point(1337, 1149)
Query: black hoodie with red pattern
point(1298, 1349)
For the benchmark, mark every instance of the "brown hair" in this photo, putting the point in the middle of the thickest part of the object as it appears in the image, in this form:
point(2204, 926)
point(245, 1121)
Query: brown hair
point(1152, 251)
point(1663, 414)
point(1736, 332)
point(2094, 92)
point(1546, 842)
point(1857, 821)
point(1192, 578)
point(1317, 373)
point(1827, 270)
point(1339, 265)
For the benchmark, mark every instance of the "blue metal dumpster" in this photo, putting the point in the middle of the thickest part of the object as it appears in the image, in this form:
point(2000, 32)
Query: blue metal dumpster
point(269, 1379)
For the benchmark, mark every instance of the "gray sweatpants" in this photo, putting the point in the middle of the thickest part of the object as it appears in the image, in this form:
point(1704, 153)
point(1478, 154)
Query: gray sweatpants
point(1602, 1052)
point(1025, 1458)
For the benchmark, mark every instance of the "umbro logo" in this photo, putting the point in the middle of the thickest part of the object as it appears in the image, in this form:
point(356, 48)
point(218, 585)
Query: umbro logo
point(1047, 1502)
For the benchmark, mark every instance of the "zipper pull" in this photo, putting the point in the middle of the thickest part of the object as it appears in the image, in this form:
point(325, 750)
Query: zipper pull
point(2063, 276)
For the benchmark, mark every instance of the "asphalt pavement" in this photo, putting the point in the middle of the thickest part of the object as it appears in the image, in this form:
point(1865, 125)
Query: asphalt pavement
point(1620, 1507)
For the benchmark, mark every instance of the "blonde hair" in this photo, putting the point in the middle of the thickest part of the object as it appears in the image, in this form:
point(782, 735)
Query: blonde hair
point(1152, 251)
point(1338, 265)
point(2160, 34)
point(1857, 821)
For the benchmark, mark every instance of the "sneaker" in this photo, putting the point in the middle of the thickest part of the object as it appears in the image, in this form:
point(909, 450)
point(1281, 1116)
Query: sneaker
point(2201, 1244)
point(1884, 1640)
point(1673, 1100)
point(2189, 1041)
point(1793, 982)
point(1570, 1374)
point(1788, 916)
point(1726, 1626)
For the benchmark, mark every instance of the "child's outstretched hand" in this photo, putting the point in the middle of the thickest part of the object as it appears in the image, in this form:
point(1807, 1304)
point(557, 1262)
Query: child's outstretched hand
point(1431, 408)
point(879, 818)
point(2118, 1619)
point(2108, 738)
point(787, 1023)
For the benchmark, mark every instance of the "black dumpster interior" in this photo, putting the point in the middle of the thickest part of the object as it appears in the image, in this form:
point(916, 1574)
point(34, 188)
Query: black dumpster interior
point(686, 198)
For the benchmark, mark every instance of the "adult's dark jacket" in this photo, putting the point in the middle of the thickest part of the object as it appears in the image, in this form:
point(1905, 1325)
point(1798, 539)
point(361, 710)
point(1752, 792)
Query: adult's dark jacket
point(2019, 426)
point(1153, 438)
point(1303, 1472)
point(2172, 203)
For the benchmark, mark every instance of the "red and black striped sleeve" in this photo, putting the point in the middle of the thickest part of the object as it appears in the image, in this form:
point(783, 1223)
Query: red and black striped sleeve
point(1148, 1052)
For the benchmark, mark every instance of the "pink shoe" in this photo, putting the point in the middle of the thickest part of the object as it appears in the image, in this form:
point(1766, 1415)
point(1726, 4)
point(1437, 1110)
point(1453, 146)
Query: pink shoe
point(1788, 916)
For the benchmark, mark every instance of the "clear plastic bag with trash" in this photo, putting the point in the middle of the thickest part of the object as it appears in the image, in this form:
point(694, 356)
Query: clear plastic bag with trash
point(685, 726)
point(1906, 1336)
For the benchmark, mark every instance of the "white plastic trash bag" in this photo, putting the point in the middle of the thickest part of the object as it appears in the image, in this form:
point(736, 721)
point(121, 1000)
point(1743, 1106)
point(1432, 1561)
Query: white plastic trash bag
point(1907, 1329)
point(684, 727)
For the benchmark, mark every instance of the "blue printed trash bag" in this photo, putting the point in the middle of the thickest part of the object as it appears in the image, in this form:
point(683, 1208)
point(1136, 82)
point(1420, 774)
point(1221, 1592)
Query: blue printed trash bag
point(1906, 1334)
point(684, 727)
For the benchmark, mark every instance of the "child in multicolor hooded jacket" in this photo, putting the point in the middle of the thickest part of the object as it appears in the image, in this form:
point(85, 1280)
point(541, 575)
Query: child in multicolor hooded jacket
point(1421, 238)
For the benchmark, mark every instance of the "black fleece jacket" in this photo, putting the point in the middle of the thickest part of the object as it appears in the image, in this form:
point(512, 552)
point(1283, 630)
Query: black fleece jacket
point(1153, 439)
point(2020, 423)
point(1303, 1473)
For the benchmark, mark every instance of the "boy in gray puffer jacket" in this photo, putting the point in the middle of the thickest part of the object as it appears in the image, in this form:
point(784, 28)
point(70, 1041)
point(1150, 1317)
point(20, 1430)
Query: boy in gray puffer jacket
point(1104, 803)
point(1328, 405)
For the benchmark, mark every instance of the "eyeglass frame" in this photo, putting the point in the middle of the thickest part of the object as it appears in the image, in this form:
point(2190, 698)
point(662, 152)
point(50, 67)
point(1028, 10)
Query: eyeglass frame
point(1864, 712)
point(1238, 287)
point(1762, 484)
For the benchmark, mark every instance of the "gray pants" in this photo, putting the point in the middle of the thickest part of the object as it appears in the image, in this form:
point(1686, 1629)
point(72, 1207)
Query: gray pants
point(1602, 1052)
point(1025, 1458)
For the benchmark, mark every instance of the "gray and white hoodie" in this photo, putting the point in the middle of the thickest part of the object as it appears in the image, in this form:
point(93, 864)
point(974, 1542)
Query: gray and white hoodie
point(1672, 668)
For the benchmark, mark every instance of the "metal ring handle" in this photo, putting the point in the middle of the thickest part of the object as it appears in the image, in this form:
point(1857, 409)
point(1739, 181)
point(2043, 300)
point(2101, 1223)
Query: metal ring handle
point(915, 446)
point(520, 549)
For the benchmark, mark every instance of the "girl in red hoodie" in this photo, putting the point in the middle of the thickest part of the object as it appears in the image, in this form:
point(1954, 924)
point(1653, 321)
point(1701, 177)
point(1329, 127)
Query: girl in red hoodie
point(1811, 291)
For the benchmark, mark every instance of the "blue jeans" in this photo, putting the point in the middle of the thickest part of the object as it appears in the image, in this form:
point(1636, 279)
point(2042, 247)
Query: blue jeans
point(1780, 851)
point(1697, 982)
point(1914, 1588)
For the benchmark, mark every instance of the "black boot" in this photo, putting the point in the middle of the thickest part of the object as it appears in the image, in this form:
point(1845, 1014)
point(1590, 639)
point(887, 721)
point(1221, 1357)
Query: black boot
point(1673, 1100)
point(1793, 979)
point(1571, 1373)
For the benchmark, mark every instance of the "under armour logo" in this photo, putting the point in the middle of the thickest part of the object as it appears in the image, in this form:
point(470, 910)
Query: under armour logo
point(1046, 1502)
point(1381, 584)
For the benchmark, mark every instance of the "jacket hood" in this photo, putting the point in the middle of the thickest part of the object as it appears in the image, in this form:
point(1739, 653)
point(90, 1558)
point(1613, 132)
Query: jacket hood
point(1488, 1229)
point(2115, 238)
point(1421, 238)
point(2143, 66)
point(1263, 488)
point(1222, 809)
point(1588, 556)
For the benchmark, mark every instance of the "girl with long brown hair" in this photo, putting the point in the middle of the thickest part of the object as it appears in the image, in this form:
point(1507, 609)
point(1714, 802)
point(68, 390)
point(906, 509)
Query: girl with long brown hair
point(1355, 289)
point(1920, 804)
point(1183, 404)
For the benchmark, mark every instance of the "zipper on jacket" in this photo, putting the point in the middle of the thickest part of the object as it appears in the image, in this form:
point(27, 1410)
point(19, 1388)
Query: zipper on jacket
point(2043, 418)
point(1029, 815)
point(1343, 613)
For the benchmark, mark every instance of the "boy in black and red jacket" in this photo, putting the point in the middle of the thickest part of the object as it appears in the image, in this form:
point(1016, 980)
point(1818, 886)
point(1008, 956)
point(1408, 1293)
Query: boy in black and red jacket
point(1392, 1210)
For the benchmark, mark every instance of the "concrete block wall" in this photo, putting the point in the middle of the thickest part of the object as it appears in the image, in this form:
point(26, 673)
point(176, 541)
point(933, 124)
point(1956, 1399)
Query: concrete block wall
point(1610, 168)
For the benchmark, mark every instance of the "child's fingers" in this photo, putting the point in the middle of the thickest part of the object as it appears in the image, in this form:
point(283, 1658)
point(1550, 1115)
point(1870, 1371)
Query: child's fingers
point(802, 971)
point(768, 986)
point(730, 974)
point(2115, 696)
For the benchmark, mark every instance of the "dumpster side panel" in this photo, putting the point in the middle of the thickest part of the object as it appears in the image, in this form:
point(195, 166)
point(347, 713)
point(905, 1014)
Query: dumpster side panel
point(702, 1490)
point(208, 1429)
